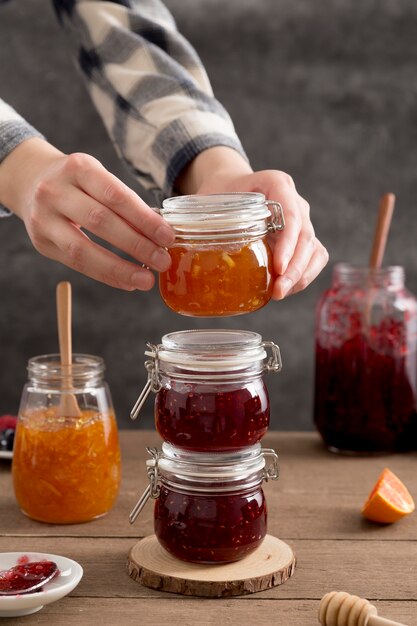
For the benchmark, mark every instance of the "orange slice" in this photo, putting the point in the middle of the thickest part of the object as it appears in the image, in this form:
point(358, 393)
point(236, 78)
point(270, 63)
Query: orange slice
point(389, 500)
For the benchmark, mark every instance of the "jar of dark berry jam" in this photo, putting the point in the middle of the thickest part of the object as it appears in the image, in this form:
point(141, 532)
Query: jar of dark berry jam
point(366, 367)
point(209, 508)
point(221, 262)
point(210, 388)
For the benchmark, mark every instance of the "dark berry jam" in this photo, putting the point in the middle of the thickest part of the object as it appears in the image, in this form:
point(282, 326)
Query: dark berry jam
point(210, 528)
point(205, 418)
point(26, 577)
point(365, 396)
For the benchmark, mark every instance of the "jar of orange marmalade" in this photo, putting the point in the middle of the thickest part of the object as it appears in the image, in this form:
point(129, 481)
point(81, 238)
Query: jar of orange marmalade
point(66, 468)
point(221, 262)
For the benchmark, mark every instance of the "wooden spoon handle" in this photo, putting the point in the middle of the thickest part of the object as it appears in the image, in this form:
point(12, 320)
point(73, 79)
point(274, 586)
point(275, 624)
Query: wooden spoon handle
point(64, 310)
point(386, 208)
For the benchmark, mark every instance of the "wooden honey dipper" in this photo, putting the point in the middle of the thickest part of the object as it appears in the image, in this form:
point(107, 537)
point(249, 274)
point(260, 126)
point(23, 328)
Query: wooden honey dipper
point(339, 608)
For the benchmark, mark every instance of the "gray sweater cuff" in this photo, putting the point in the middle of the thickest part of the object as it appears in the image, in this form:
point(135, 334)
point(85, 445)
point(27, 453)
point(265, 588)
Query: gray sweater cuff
point(12, 133)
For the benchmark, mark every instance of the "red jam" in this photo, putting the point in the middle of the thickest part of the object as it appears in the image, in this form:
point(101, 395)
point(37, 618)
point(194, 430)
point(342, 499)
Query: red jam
point(23, 577)
point(210, 528)
point(365, 398)
point(203, 418)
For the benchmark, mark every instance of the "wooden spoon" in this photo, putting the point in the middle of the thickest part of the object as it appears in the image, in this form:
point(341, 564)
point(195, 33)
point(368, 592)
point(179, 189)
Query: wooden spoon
point(68, 405)
point(386, 209)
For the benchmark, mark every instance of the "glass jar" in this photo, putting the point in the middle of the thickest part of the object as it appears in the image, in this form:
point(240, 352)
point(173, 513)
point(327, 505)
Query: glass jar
point(366, 380)
point(210, 390)
point(221, 262)
point(209, 508)
point(66, 469)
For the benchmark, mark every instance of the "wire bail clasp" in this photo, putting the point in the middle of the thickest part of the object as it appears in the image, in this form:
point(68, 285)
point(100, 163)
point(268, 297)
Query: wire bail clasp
point(152, 384)
point(153, 489)
point(271, 471)
point(278, 219)
point(274, 363)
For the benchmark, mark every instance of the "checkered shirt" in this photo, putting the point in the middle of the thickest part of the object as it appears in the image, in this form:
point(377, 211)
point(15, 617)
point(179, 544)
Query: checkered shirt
point(148, 85)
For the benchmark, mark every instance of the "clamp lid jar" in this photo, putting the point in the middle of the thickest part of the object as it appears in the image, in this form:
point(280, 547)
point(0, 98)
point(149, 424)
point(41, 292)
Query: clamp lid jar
point(221, 262)
point(209, 508)
point(210, 388)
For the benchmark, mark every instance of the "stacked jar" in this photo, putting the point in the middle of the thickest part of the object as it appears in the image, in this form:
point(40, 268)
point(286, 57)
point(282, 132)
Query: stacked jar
point(211, 402)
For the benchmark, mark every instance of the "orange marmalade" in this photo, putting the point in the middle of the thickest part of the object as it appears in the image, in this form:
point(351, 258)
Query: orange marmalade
point(211, 280)
point(66, 470)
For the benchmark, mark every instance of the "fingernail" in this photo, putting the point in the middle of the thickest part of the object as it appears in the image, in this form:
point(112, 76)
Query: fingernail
point(164, 235)
point(160, 260)
point(143, 280)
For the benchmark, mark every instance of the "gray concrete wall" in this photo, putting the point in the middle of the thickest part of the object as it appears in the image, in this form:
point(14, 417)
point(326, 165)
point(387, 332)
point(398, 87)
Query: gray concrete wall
point(326, 91)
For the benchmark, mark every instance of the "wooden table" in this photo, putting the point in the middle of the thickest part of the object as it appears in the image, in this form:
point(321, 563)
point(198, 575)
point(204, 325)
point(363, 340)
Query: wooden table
point(314, 507)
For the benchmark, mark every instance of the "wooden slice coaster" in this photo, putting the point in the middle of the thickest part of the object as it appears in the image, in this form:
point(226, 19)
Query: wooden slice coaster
point(270, 565)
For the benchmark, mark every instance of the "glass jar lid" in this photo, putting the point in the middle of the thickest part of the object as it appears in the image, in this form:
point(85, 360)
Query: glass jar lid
point(222, 213)
point(215, 467)
point(211, 349)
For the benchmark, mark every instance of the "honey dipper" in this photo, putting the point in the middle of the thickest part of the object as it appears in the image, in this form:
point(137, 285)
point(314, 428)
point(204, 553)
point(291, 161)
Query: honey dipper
point(339, 608)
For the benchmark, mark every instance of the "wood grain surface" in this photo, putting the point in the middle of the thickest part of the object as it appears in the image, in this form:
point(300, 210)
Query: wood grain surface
point(314, 507)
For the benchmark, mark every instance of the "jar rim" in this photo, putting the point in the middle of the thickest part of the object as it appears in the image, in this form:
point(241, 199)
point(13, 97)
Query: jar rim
point(213, 467)
point(216, 349)
point(46, 366)
point(216, 212)
point(379, 275)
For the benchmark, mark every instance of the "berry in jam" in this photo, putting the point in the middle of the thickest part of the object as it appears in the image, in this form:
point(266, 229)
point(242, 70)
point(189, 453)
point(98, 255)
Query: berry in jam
point(27, 577)
point(210, 528)
point(203, 417)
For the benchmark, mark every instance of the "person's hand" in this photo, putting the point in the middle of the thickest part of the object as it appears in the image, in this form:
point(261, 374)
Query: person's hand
point(298, 255)
point(57, 195)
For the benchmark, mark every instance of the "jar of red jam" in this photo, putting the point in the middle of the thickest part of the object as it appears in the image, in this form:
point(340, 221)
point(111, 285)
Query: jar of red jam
point(209, 508)
point(66, 468)
point(366, 367)
point(221, 261)
point(210, 388)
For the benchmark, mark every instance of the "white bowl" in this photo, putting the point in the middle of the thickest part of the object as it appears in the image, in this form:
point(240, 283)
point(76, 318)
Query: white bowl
point(70, 574)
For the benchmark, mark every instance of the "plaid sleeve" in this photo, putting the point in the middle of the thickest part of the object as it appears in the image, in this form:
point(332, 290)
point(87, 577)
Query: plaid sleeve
point(148, 85)
point(13, 130)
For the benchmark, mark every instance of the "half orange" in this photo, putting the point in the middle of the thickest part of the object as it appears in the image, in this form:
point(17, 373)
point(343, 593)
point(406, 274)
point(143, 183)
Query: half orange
point(389, 500)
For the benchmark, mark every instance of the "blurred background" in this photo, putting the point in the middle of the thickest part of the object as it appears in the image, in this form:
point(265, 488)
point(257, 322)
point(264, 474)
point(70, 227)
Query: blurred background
point(326, 91)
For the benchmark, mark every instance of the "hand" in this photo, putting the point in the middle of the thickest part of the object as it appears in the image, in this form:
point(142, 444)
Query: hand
point(298, 255)
point(57, 195)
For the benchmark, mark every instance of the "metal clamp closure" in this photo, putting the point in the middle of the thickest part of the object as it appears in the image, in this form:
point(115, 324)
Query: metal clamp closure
point(153, 489)
point(271, 470)
point(152, 384)
point(278, 220)
point(274, 363)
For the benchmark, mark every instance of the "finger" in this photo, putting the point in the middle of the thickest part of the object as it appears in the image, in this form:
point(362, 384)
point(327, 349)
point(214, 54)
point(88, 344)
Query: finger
point(107, 189)
point(301, 258)
point(107, 225)
point(317, 262)
point(286, 241)
point(73, 248)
